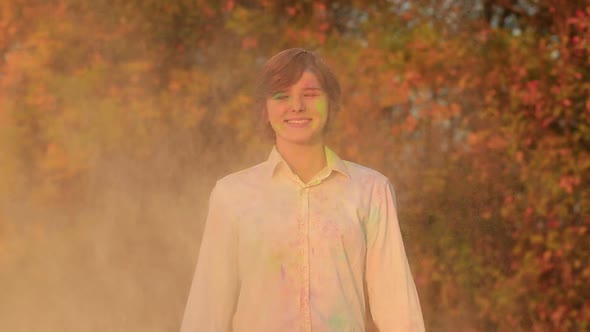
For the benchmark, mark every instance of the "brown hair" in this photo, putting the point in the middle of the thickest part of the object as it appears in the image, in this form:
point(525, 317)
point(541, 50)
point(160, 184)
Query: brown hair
point(284, 69)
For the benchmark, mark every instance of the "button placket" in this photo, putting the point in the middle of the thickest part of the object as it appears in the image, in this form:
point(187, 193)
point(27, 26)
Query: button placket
point(304, 247)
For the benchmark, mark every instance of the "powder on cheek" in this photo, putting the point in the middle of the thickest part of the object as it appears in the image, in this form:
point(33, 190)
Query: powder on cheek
point(321, 105)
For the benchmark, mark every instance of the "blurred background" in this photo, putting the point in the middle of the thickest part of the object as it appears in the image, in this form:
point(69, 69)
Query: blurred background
point(118, 116)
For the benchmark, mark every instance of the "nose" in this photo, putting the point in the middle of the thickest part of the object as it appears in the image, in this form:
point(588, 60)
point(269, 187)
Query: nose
point(297, 104)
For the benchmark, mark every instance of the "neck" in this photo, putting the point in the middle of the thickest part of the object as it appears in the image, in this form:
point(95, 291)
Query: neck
point(305, 160)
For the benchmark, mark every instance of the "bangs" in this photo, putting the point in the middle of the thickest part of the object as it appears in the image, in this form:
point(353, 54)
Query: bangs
point(286, 70)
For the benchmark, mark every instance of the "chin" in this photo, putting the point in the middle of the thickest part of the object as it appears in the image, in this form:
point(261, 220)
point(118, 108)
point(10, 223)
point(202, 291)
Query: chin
point(301, 140)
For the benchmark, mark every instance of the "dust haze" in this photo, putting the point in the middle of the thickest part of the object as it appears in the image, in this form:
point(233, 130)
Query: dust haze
point(121, 258)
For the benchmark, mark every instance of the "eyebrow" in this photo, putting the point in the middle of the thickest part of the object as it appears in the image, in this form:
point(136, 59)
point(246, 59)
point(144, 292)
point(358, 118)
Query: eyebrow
point(310, 88)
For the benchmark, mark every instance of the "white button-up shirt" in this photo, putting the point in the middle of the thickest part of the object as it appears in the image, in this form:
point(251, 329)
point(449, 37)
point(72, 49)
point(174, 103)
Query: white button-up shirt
point(281, 255)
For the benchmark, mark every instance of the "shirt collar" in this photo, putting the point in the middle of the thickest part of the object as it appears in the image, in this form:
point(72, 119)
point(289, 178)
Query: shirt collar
point(334, 163)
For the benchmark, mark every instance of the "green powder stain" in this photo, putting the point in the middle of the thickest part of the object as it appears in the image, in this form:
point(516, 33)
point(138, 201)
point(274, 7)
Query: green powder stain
point(321, 105)
point(277, 95)
point(336, 322)
point(374, 215)
point(280, 129)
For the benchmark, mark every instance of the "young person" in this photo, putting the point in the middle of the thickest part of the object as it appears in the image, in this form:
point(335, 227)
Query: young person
point(304, 241)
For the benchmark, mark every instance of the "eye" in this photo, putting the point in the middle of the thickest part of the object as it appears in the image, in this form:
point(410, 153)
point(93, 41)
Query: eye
point(280, 96)
point(312, 92)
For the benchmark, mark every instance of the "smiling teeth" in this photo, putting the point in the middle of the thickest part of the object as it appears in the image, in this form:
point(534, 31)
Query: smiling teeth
point(297, 121)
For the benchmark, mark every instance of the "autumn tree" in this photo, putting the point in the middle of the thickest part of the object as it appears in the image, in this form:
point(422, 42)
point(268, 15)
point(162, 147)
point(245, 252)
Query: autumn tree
point(478, 112)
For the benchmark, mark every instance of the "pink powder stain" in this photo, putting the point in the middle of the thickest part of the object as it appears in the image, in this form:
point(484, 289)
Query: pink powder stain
point(330, 230)
point(282, 272)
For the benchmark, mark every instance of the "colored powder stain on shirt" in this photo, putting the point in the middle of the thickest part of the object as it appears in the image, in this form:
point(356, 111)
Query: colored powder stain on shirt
point(374, 215)
point(336, 322)
point(330, 230)
point(273, 245)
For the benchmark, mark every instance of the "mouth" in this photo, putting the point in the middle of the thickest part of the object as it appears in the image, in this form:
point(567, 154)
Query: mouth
point(298, 121)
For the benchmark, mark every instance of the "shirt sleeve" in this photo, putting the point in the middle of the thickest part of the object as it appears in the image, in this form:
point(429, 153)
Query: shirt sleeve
point(392, 294)
point(213, 294)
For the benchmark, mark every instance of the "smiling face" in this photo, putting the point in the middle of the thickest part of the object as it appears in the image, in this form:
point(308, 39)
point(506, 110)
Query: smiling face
point(298, 114)
point(296, 85)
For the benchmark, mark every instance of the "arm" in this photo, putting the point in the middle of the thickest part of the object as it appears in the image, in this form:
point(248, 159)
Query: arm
point(393, 298)
point(212, 298)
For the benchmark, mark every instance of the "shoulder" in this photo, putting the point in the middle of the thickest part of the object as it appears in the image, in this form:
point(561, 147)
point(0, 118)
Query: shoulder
point(234, 189)
point(248, 177)
point(364, 174)
point(371, 183)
